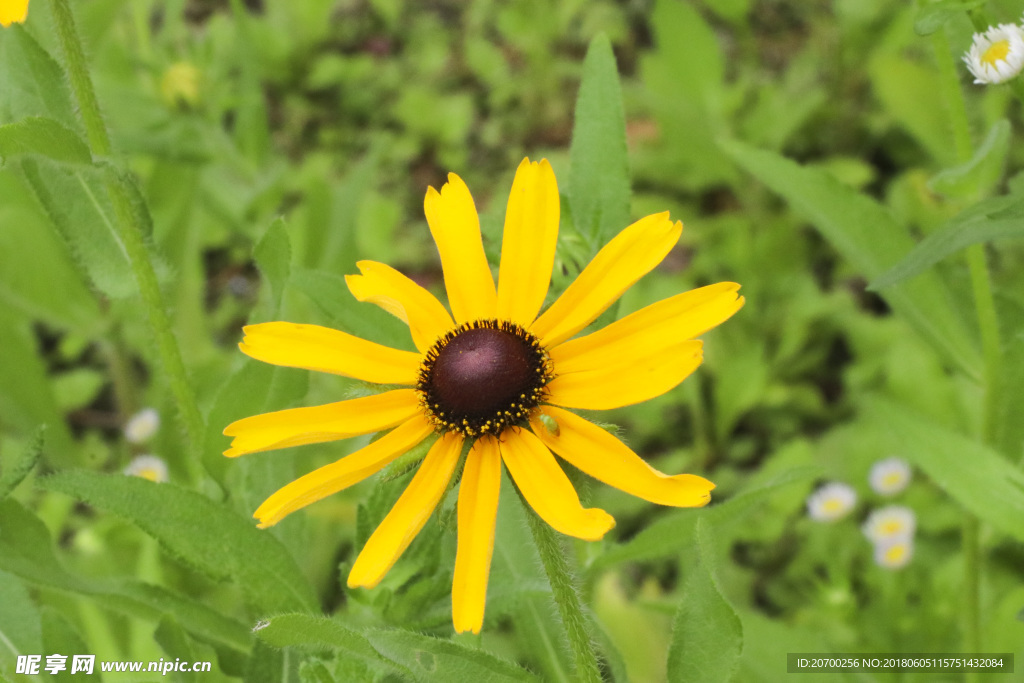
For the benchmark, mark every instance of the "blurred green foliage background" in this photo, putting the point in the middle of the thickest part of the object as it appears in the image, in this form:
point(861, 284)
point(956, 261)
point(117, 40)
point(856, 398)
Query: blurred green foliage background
point(277, 143)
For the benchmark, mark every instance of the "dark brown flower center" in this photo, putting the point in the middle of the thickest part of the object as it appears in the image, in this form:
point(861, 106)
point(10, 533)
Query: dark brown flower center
point(483, 376)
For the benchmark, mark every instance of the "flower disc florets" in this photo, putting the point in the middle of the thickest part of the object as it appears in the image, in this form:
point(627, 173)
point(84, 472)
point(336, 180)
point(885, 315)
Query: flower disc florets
point(483, 376)
point(997, 54)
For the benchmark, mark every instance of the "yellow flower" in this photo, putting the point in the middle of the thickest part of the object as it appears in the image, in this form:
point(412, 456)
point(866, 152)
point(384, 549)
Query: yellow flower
point(494, 375)
point(179, 86)
point(13, 11)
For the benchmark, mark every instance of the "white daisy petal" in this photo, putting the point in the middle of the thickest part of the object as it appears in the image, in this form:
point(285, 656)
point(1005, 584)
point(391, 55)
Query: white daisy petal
point(831, 502)
point(890, 476)
point(996, 55)
point(142, 425)
point(890, 524)
point(894, 554)
point(148, 467)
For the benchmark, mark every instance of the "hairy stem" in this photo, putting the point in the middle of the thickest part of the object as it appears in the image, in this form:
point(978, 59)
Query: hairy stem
point(563, 587)
point(129, 231)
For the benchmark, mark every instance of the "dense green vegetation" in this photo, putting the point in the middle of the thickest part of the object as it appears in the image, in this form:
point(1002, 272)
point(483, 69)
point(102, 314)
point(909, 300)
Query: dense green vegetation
point(833, 158)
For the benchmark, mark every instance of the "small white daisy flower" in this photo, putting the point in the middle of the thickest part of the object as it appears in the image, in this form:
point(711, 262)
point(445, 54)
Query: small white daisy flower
point(148, 467)
point(831, 502)
point(894, 554)
point(997, 54)
point(890, 476)
point(142, 425)
point(891, 523)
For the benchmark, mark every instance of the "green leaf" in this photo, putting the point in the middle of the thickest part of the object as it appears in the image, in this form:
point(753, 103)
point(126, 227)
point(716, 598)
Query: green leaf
point(984, 169)
point(34, 83)
point(76, 201)
point(273, 255)
point(867, 236)
point(20, 630)
point(45, 137)
point(38, 278)
point(174, 641)
point(77, 388)
point(16, 474)
point(991, 219)
point(707, 636)
point(26, 551)
point(270, 665)
point(910, 92)
point(414, 655)
point(599, 175)
point(519, 588)
point(318, 633)
point(934, 15)
point(255, 388)
point(330, 294)
point(433, 659)
point(974, 475)
point(1009, 427)
point(673, 533)
point(61, 636)
point(230, 547)
point(26, 396)
point(685, 80)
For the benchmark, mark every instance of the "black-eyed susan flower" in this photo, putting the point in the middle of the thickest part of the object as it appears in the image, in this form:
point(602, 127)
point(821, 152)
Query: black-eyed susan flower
point(13, 12)
point(494, 374)
point(996, 55)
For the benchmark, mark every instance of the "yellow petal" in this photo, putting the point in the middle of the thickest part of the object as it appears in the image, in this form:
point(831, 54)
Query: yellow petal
point(299, 426)
point(351, 469)
point(598, 453)
point(455, 226)
point(13, 11)
point(325, 350)
point(528, 243)
point(478, 510)
point(627, 382)
point(409, 514)
point(633, 253)
point(381, 284)
point(546, 488)
point(662, 324)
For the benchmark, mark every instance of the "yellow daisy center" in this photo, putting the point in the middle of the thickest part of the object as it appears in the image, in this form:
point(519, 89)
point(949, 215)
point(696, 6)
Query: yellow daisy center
point(893, 479)
point(832, 505)
point(892, 527)
point(996, 52)
point(896, 553)
point(149, 473)
point(483, 376)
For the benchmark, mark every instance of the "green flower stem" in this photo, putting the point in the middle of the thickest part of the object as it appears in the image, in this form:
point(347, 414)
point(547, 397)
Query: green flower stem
point(988, 324)
point(566, 597)
point(130, 234)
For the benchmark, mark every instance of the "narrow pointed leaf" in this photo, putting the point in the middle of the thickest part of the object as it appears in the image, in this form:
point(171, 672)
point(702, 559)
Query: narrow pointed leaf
point(977, 477)
point(867, 236)
point(230, 547)
point(992, 219)
point(17, 473)
point(26, 551)
point(599, 180)
point(707, 635)
point(45, 137)
point(982, 171)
